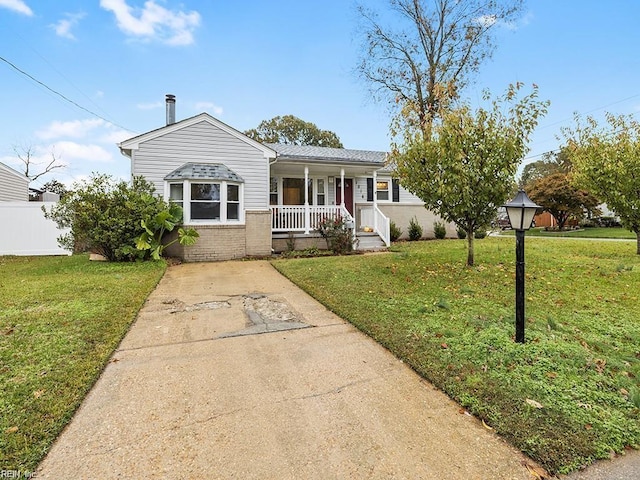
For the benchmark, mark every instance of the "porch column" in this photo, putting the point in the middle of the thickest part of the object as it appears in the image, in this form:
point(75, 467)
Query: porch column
point(375, 201)
point(307, 216)
point(342, 187)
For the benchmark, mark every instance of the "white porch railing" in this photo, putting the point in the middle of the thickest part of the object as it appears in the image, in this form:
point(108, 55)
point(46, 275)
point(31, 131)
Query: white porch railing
point(301, 218)
point(382, 225)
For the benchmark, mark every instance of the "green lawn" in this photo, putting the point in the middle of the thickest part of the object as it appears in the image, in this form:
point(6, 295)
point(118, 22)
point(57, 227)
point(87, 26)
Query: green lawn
point(568, 396)
point(621, 233)
point(60, 320)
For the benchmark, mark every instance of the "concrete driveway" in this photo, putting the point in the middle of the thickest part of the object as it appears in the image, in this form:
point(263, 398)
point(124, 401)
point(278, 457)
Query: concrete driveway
point(231, 371)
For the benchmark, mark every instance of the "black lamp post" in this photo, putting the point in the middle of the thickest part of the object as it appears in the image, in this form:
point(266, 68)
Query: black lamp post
point(521, 211)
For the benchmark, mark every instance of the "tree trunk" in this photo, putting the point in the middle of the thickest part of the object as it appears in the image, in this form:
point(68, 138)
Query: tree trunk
point(470, 248)
point(638, 242)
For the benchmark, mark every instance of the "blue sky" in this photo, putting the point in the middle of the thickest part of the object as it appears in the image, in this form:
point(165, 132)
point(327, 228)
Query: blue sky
point(247, 61)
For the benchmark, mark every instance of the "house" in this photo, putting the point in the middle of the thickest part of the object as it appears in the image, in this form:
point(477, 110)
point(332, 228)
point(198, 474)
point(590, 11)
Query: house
point(246, 198)
point(14, 186)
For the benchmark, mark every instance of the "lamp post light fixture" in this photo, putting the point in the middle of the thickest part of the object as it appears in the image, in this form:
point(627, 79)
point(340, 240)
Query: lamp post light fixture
point(520, 211)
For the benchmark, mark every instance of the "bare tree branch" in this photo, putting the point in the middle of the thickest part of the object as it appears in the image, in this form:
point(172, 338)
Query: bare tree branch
point(34, 169)
point(431, 53)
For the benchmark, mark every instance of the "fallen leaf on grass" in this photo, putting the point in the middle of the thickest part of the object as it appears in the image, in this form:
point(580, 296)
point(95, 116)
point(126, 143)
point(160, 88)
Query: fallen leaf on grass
point(533, 403)
point(535, 471)
point(486, 426)
point(38, 393)
point(11, 430)
point(444, 346)
point(588, 426)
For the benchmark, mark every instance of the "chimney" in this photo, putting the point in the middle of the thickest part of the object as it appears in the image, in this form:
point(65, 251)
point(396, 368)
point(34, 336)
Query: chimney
point(171, 109)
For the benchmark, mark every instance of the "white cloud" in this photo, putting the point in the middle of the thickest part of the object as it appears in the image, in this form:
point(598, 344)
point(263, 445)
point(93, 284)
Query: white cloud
point(17, 6)
point(150, 106)
point(491, 20)
point(116, 136)
point(487, 20)
point(64, 25)
point(154, 22)
point(209, 106)
point(73, 129)
point(70, 151)
point(39, 157)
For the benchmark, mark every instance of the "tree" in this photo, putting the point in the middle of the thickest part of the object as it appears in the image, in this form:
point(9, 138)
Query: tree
point(556, 194)
point(466, 170)
point(606, 161)
point(294, 131)
point(552, 162)
point(421, 64)
point(54, 186)
point(32, 168)
point(108, 217)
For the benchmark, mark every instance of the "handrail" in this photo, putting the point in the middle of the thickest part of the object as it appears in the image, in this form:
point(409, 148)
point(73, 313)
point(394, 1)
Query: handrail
point(382, 225)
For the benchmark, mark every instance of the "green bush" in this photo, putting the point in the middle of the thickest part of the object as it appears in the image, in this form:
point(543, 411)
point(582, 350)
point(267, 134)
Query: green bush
point(157, 225)
point(439, 230)
point(108, 217)
point(480, 233)
point(415, 230)
point(338, 236)
point(461, 233)
point(394, 231)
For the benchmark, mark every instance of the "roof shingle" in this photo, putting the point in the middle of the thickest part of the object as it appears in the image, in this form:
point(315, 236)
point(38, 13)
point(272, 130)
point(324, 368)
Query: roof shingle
point(204, 171)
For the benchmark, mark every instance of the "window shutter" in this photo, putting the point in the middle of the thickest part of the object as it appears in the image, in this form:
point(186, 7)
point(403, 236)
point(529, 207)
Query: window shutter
point(369, 189)
point(395, 185)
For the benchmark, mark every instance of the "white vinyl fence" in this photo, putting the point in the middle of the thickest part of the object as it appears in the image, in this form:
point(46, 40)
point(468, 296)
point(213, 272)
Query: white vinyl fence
point(25, 231)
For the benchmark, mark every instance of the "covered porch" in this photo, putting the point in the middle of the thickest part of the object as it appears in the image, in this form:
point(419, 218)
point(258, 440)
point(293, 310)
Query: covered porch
point(307, 190)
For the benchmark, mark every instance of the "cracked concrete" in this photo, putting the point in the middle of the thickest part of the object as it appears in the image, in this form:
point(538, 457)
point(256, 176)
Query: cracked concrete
point(189, 399)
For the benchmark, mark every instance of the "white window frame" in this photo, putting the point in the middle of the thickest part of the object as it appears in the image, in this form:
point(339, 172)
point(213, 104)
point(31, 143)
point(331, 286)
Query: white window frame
point(388, 190)
point(186, 202)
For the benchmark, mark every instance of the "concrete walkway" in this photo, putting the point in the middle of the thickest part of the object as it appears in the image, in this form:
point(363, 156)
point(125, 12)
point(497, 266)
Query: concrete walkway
point(230, 371)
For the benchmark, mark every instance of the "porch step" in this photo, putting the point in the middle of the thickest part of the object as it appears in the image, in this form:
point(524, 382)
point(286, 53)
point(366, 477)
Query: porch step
point(369, 241)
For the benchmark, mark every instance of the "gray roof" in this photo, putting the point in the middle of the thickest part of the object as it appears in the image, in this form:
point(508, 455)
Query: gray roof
point(326, 154)
point(204, 171)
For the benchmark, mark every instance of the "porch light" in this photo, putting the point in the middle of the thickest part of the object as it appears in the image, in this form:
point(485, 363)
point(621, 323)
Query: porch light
point(521, 211)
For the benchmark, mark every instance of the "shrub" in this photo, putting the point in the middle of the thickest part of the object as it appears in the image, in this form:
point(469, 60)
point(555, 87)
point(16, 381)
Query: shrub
point(461, 233)
point(156, 226)
point(394, 231)
point(338, 236)
point(415, 230)
point(481, 233)
point(439, 230)
point(108, 216)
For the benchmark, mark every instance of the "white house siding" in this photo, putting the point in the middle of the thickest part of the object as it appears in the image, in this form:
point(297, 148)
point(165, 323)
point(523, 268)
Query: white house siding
point(14, 187)
point(203, 142)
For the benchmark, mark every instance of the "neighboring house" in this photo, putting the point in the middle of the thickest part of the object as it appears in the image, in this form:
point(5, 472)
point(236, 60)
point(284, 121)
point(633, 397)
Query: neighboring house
point(249, 199)
point(14, 186)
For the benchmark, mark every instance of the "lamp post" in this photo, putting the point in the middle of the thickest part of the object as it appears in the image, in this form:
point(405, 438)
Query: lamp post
point(520, 211)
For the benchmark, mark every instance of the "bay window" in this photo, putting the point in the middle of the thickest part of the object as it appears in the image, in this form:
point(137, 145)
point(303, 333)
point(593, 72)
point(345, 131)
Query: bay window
point(207, 193)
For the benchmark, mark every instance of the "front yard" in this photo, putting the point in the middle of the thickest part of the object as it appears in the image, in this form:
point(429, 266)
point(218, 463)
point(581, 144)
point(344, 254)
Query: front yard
point(600, 232)
point(568, 396)
point(60, 320)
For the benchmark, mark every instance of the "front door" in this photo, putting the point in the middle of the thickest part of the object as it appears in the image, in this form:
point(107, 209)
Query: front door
point(348, 194)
